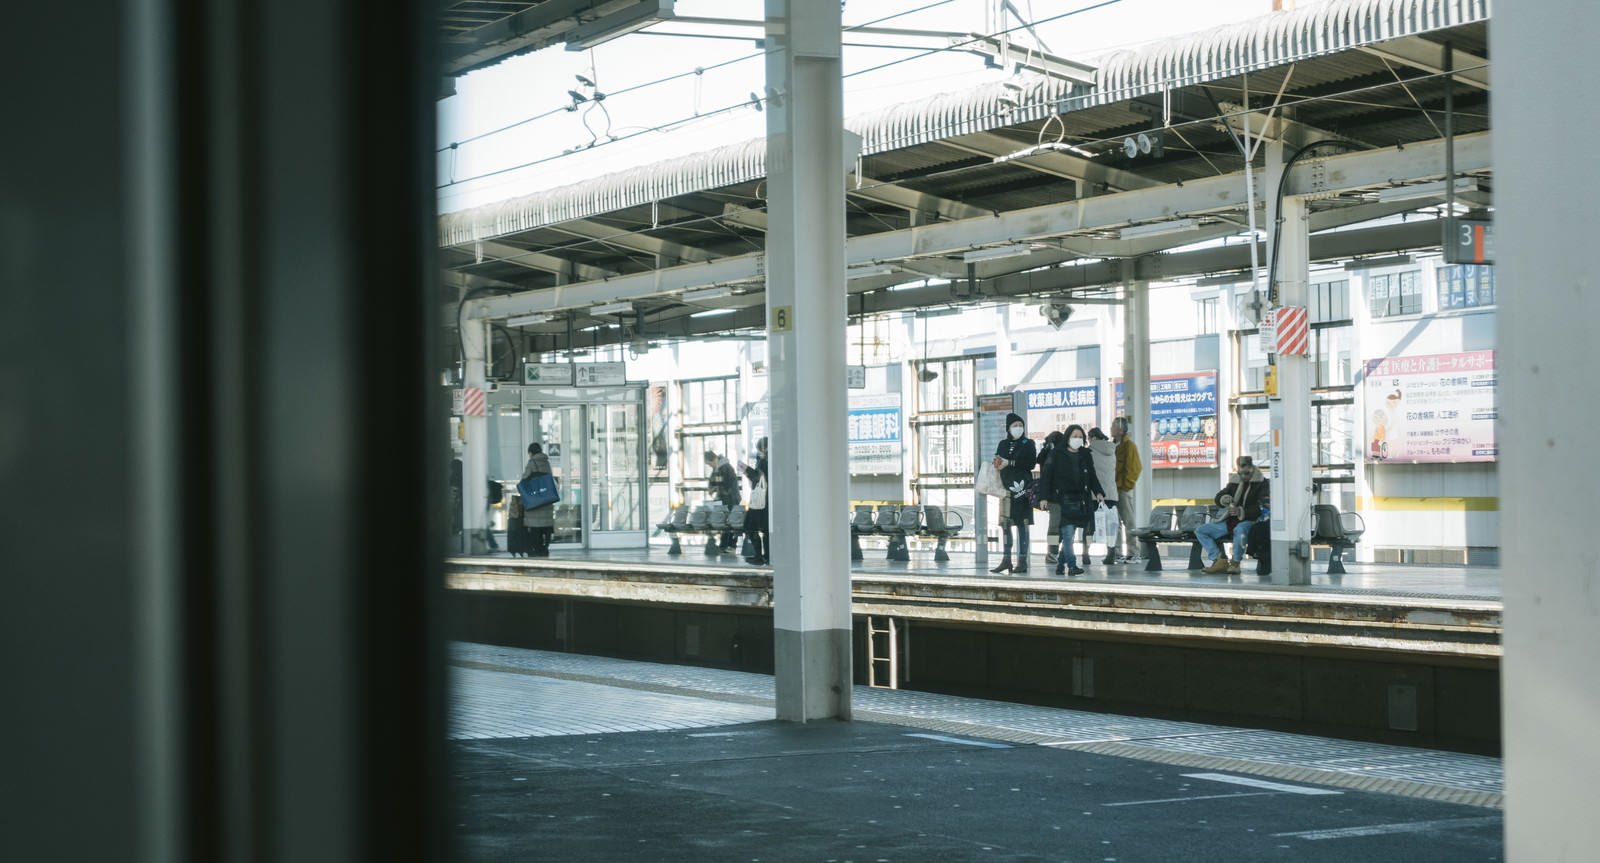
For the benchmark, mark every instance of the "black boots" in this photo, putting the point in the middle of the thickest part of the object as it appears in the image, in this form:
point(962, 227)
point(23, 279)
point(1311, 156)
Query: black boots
point(1005, 565)
point(1022, 565)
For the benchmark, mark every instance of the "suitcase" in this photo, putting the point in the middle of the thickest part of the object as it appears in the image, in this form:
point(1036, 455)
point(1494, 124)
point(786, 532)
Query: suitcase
point(519, 538)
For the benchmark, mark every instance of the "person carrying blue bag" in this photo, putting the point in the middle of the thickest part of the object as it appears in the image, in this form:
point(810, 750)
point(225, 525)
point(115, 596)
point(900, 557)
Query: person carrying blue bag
point(539, 493)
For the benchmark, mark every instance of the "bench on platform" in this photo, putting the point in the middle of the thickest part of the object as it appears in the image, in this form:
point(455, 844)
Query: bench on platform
point(1330, 527)
point(703, 520)
point(1337, 530)
point(940, 524)
point(897, 523)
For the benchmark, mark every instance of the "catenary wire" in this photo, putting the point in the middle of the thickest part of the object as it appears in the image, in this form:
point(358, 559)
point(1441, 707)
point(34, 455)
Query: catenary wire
point(743, 103)
point(699, 70)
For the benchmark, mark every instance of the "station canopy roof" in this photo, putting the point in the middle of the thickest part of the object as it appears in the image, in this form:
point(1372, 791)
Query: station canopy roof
point(1030, 181)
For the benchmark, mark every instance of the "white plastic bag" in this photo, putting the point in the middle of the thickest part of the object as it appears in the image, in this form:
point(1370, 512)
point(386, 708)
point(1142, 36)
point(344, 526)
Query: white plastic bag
point(1105, 522)
point(988, 481)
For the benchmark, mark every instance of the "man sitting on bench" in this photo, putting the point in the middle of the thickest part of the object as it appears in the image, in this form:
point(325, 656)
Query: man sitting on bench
point(1245, 496)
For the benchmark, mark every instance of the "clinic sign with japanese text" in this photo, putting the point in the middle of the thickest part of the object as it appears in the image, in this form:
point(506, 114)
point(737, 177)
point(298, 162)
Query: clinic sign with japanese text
point(874, 433)
point(1054, 407)
point(1431, 408)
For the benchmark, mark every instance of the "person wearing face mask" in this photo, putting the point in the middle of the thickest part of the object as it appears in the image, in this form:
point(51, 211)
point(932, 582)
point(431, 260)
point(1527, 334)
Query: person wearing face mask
point(1072, 483)
point(1245, 494)
point(1014, 458)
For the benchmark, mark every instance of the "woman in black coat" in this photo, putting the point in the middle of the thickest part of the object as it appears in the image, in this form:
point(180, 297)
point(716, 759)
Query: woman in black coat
point(1014, 458)
point(1071, 482)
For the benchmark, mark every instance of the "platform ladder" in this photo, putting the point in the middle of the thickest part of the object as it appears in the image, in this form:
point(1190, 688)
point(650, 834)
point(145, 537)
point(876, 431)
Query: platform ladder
point(883, 653)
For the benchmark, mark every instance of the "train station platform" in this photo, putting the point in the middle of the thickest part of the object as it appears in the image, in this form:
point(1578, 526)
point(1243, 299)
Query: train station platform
point(565, 756)
point(1424, 611)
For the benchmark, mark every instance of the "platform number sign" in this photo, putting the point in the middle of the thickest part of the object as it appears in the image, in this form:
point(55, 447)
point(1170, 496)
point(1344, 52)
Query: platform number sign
point(1468, 241)
point(782, 319)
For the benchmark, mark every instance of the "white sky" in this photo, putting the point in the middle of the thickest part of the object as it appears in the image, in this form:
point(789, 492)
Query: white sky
point(537, 83)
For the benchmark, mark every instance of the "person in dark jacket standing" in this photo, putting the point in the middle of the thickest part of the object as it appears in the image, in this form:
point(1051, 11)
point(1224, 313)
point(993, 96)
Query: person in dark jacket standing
point(1014, 458)
point(1052, 441)
point(540, 521)
point(1072, 483)
point(723, 485)
point(755, 520)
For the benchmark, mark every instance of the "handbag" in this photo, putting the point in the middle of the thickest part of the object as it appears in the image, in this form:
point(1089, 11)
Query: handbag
point(758, 495)
point(1075, 506)
point(539, 490)
point(988, 481)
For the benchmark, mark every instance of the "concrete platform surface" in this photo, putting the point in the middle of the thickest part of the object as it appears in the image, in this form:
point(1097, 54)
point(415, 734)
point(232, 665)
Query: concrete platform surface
point(1471, 583)
point(567, 757)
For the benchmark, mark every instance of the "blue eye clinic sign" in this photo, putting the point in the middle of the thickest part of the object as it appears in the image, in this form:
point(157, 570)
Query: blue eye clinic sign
point(874, 423)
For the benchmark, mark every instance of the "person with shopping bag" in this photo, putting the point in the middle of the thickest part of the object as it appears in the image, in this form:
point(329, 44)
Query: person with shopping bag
point(1072, 483)
point(755, 519)
point(1014, 458)
point(540, 520)
point(1104, 455)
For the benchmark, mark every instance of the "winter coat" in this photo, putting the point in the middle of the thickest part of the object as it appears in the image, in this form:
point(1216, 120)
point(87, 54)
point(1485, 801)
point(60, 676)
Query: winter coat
point(1257, 494)
point(1129, 464)
point(724, 484)
point(1072, 478)
point(1022, 455)
point(544, 516)
point(1104, 455)
point(756, 474)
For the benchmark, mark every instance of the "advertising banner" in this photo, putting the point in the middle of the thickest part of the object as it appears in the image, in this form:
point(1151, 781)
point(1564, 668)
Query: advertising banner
point(1432, 408)
point(1053, 407)
point(874, 422)
point(1183, 419)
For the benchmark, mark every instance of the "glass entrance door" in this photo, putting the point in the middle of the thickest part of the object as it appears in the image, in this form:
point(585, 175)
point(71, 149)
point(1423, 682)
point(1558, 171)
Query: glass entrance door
point(594, 437)
point(615, 473)
point(559, 429)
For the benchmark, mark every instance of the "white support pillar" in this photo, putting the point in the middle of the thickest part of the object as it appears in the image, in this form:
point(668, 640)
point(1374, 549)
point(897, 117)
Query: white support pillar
point(1136, 381)
point(475, 453)
point(1546, 362)
point(806, 317)
point(1290, 412)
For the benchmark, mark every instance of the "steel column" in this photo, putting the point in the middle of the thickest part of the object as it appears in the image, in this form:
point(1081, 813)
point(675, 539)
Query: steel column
point(1550, 693)
point(1289, 468)
point(1136, 382)
point(475, 455)
point(807, 321)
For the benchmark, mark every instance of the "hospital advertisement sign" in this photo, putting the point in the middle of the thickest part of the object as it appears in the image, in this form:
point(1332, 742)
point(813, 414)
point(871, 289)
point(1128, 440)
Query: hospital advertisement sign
point(1431, 408)
point(1183, 419)
point(1053, 407)
point(874, 434)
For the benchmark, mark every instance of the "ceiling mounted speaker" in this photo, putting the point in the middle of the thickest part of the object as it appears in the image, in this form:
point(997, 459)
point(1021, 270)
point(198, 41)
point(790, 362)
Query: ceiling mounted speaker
point(1056, 313)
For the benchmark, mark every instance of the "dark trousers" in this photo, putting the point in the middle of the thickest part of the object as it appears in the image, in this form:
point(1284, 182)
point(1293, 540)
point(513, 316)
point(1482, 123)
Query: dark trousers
point(541, 540)
point(755, 530)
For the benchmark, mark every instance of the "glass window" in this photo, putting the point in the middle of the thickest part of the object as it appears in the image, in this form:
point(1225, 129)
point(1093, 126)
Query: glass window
point(1393, 294)
point(710, 423)
point(1334, 427)
point(1206, 321)
point(1334, 357)
point(942, 429)
point(1330, 301)
point(1255, 433)
point(1252, 363)
point(1465, 286)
